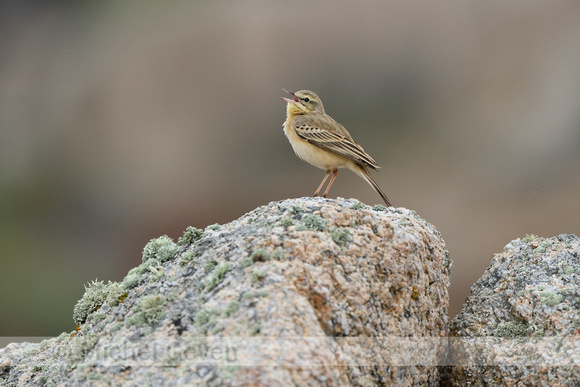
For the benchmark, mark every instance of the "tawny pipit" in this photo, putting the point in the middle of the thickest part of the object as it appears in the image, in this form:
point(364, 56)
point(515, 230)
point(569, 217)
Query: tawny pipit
point(321, 141)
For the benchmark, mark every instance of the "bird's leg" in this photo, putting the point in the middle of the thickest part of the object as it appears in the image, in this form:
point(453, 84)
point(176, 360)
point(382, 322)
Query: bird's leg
point(321, 184)
point(334, 173)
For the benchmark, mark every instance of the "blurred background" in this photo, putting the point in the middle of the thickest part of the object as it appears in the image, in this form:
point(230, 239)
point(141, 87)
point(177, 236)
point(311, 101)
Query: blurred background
point(124, 121)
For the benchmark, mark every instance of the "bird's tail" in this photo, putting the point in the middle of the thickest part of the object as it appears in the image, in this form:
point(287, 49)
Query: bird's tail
point(363, 172)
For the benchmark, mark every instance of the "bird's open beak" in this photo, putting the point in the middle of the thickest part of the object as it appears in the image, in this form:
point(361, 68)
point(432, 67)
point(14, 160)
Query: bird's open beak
point(294, 98)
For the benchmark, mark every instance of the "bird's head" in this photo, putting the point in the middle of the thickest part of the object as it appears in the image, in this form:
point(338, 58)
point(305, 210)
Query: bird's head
point(303, 102)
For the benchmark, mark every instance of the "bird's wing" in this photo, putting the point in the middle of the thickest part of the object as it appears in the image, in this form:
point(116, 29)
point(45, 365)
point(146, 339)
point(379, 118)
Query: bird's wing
point(335, 142)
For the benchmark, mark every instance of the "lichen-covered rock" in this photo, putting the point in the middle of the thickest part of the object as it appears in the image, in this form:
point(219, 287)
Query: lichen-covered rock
point(521, 324)
point(297, 292)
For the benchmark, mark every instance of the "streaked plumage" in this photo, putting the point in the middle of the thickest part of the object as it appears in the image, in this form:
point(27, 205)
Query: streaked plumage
point(321, 141)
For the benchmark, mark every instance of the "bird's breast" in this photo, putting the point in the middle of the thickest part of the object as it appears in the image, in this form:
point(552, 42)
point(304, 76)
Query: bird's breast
point(312, 154)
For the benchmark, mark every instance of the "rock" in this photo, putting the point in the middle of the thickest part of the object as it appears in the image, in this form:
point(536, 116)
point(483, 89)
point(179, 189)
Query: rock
point(302, 291)
point(521, 323)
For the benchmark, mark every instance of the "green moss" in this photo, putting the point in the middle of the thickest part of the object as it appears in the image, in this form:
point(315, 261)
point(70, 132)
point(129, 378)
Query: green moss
point(260, 255)
point(258, 275)
point(358, 206)
point(231, 308)
point(213, 227)
point(215, 278)
point(314, 222)
point(278, 253)
point(190, 235)
point(340, 235)
point(379, 207)
point(286, 222)
point(511, 330)
point(160, 249)
point(550, 298)
point(148, 311)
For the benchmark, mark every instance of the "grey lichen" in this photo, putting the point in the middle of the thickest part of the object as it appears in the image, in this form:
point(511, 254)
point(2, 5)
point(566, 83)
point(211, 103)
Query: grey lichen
point(188, 256)
point(569, 269)
point(96, 293)
point(542, 248)
point(260, 255)
point(209, 266)
point(81, 345)
point(213, 227)
point(206, 316)
point(231, 308)
point(190, 236)
point(510, 330)
point(148, 311)
point(314, 222)
point(295, 210)
point(118, 325)
point(258, 275)
point(217, 276)
point(131, 280)
point(340, 235)
point(278, 253)
point(161, 249)
point(529, 237)
point(157, 271)
point(358, 206)
point(256, 328)
point(379, 207)
point(286, 222)
point(116, 293)
point(550, 298)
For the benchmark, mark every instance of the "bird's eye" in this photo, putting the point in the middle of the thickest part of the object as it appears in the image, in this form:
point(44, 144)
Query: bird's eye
point(306, 99)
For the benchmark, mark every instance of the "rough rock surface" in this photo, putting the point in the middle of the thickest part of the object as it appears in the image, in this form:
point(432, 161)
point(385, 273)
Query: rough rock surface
point(295, 292)
point(521, 324)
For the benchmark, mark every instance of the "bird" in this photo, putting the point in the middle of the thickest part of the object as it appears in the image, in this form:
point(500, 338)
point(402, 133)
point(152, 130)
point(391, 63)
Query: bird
point(324, 143)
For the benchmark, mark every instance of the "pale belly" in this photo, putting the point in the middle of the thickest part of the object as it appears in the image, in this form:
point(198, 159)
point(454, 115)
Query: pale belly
point(316, 156)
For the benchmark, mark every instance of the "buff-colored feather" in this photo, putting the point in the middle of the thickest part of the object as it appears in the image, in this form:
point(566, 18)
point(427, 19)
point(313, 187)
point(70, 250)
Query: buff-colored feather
point(321, 141)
